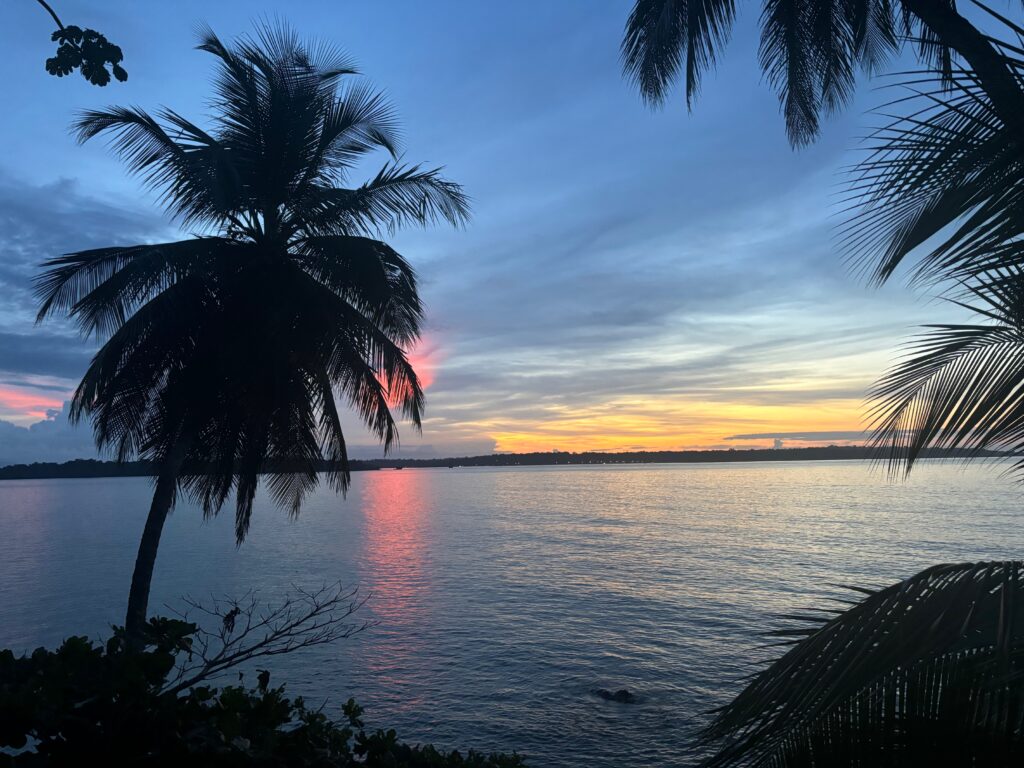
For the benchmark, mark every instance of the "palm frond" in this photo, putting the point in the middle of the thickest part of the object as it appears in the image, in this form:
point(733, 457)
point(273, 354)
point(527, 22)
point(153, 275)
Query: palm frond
point(664, 37)
point(788, 60)
point(371, 276)
point(397, 196)
point(101, 288)
point(875, 36)
point(809, 52)
point(945, 180)
point(191, 170)
point(924, 672)
point(960, 386)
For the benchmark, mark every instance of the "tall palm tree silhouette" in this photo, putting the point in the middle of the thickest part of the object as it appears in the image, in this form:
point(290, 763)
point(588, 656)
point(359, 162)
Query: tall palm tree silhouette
point(224, 352)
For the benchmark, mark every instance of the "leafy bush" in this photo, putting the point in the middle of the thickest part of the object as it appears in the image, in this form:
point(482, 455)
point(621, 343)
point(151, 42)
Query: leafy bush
point(88, 704)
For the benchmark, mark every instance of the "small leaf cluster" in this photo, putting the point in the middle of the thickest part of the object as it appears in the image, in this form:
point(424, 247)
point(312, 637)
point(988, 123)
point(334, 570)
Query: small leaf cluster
point(89, 52)
point(98, 704)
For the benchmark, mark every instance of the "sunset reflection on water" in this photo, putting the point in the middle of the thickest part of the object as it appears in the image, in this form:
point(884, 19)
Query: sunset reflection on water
point(397, 574)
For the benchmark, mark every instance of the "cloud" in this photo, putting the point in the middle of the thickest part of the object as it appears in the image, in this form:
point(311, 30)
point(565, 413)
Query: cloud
point(859, 435)
point(41, 221)
point(40, 365)
point(52, 439)
point(44, 353)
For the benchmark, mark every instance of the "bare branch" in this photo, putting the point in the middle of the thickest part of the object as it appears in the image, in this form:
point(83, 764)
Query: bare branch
point(53, 13)
point(238, 630)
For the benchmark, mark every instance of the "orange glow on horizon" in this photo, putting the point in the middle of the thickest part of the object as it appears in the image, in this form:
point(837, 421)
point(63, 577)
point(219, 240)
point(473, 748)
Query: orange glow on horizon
point(656, 425)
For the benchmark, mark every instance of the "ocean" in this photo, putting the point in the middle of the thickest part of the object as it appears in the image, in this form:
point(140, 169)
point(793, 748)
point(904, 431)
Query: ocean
point(503, 597)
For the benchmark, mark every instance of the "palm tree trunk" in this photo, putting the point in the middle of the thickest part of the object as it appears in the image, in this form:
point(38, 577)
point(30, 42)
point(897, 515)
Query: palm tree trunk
point(142, 576)
point(980, 54)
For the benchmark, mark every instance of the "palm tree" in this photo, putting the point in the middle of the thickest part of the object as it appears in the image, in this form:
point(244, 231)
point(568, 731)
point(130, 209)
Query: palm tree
point(224, 352)
point(810, 50)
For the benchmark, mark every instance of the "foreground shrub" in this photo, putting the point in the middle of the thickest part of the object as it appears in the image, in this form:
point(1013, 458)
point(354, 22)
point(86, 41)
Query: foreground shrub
point(89, 704)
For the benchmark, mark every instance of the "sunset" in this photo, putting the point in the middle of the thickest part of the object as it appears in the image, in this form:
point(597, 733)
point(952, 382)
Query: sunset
point(512, 385)
point(617, 288)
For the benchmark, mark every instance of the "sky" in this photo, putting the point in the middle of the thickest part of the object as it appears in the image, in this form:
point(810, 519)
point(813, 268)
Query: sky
point(631, 279)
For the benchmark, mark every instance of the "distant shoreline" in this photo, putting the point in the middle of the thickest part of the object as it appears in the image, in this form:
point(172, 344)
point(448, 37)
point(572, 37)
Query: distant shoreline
point(84, 468)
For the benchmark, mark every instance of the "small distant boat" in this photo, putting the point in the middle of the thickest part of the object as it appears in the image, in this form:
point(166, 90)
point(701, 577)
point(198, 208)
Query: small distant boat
point(451, 466)
point(399, 467)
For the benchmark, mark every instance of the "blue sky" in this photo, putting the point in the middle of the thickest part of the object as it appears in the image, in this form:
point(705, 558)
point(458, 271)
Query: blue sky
point(630, 278)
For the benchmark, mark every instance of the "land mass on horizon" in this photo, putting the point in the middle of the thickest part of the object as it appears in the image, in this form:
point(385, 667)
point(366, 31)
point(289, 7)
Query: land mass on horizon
point(81, 468)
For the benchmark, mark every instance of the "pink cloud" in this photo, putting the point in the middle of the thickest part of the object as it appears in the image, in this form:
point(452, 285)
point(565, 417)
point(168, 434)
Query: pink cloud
point(22, 405)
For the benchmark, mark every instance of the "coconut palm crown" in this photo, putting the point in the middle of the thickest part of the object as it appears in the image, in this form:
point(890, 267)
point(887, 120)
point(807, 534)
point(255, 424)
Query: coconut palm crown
point(224, 354)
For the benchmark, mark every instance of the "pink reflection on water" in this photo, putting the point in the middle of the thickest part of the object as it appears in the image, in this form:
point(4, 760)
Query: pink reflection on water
point(397, 573)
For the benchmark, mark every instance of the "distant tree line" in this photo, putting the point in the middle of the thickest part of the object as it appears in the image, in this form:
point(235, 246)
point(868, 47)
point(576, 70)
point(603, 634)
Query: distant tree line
point(97, 468)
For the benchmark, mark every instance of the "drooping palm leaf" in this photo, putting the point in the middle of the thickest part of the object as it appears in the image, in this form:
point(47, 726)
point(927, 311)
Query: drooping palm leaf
point(959, 386)
point(944, 179)
point(928, 671)
point(667, 37)
point(944, 182)
point(809, 52)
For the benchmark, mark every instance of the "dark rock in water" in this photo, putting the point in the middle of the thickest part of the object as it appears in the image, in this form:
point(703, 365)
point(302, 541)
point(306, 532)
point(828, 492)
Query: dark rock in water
point(622, 695)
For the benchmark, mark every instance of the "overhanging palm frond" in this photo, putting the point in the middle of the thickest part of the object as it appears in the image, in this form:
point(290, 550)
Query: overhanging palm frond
point(789, 61)
point(925, 672)
point(960, 386)
point(945, 179)
point(809, 51)
point(665, 37)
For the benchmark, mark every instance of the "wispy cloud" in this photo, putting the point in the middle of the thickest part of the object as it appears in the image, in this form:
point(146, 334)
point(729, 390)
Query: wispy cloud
point(858, 435)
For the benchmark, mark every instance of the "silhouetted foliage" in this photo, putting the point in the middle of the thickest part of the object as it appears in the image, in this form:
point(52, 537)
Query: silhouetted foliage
point(946, 180)
point(810, 49)
point(223, 354)
point(941, 178)
point(89, 704)
point(924, 672)
point(960, 385)
point(82, 468)
point(85, 50)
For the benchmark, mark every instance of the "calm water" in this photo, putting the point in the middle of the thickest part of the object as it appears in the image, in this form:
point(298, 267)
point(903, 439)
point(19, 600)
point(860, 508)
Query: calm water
point(505, 596)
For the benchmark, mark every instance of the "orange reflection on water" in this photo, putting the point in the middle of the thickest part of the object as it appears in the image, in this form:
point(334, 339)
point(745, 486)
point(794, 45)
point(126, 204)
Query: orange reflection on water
point(397, 569)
